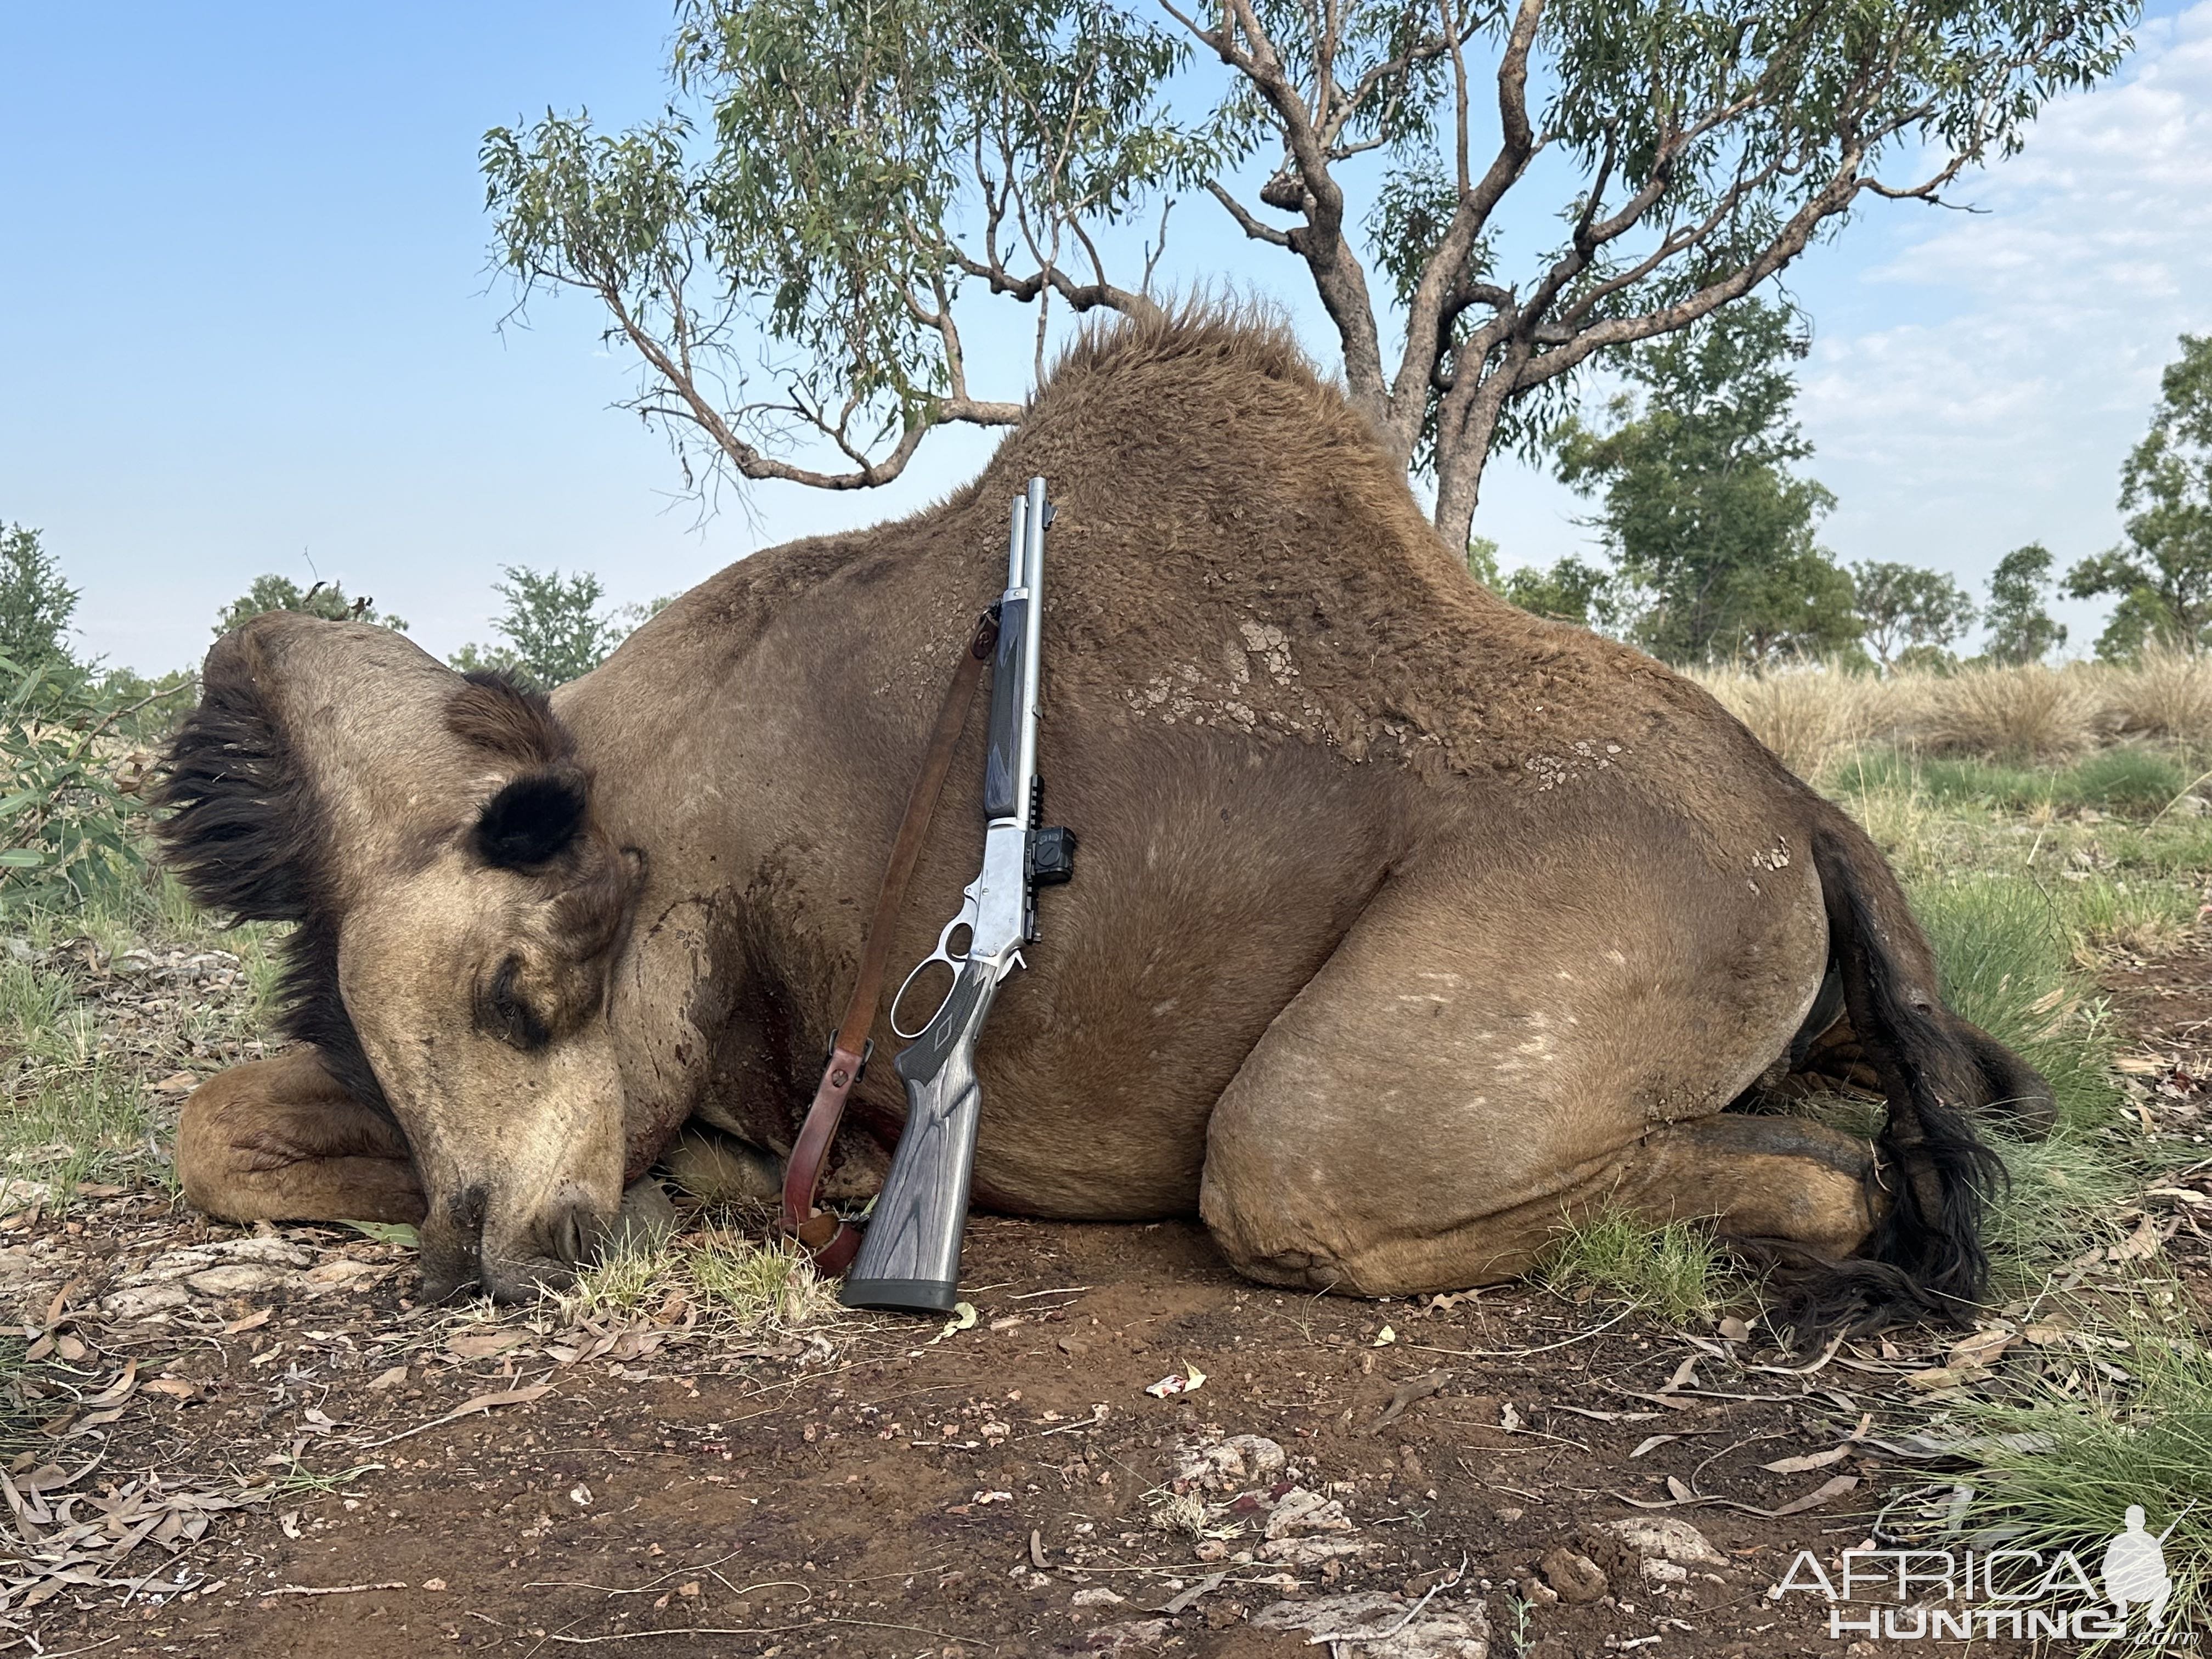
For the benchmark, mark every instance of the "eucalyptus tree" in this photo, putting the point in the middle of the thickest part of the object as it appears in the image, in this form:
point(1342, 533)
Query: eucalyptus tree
point(1483, 194)
point(2163, 575)
point(1906, 608)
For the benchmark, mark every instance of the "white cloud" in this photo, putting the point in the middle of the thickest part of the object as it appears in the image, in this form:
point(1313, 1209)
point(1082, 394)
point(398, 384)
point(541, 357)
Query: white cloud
point(2024, 366)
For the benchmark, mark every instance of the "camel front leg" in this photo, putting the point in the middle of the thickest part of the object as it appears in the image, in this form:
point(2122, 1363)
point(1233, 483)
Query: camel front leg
point(279, 1140)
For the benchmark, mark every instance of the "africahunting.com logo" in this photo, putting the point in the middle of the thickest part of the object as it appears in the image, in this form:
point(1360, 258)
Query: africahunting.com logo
point(2019, 1594)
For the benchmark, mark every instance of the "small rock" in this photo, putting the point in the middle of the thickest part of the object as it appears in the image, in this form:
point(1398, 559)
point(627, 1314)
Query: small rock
point(1130, 1636)
point(1668, 1537)
point(1657, 1572)
point(1097, 1596)
point(1442, 1630)
point(139, 1302)
point(266, 1252)
point(1242, 1459)
point(239, 1278)
point(1575, 1577)
point(1734, 1329)
point(341, 1273)
point(1537, 1592)
point(1299, 1511)
point(17, 1193)
point(1313, 1552)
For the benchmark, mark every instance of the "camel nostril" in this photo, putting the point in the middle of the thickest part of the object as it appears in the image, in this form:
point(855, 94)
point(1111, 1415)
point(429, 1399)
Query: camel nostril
point(574, 1235)
point(569, 1236)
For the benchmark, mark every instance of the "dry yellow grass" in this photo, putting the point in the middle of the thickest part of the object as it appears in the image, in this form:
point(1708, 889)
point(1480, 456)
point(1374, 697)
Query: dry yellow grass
point(1807, 715)
point(2167, 695)
point(1810, 714)
point(2025, 714)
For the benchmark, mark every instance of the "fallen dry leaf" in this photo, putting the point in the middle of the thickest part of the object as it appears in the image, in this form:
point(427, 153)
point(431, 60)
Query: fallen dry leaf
point(177, 1083)
point(1938, 1377)
point(1981, 1348)
point(1810, 1461)
point(391, 1379)
point(253, 1321)
point(2138, 1246)
point(482, 1345)
point(1820, 1494)
point(483, 1402)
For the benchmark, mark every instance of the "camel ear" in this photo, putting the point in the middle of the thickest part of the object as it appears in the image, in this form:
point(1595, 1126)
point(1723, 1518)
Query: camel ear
point(533, 819)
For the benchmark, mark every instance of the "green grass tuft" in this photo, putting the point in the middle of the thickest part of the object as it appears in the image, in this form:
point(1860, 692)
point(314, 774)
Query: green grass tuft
point(733, 1281)
point(1673, 1269)
point(2062, 1459)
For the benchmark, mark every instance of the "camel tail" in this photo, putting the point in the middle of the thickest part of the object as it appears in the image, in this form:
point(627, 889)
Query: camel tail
point(1925, 1259)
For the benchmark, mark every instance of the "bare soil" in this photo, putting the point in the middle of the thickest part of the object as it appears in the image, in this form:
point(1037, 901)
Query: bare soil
point(322, 1468)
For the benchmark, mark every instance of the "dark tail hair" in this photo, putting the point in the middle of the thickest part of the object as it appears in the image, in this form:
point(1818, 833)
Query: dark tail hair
point(1925, 1259)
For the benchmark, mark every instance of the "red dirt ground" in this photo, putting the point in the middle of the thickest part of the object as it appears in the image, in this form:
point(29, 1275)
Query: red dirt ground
point(860, 1489)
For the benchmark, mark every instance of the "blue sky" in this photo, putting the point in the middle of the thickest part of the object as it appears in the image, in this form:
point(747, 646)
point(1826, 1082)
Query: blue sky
point(246, 324)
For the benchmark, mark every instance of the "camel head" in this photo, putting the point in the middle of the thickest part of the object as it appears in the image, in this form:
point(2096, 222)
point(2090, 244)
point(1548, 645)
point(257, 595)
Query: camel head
point(457, 914)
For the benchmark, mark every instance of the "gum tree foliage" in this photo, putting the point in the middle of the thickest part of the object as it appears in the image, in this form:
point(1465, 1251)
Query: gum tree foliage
point(325, 600)
point(784, 248)
point(1709, 533)
point(2163, 574)
point(35, 603)
point(554, 627)
point(1570, 589)
point(2020, 628)
point(1907, 609)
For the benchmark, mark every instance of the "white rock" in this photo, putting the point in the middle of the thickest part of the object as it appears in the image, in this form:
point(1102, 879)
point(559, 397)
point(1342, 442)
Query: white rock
point(1668, 1537)
point(16, 1192)
point(1442, 1630)
point(340, 1273)
point(197, 1258)
point(1658, 1571)
point(1312, 1552)
point(137, 1302)
point(1131, 1636)
point(1300, 1512)
point(239, 1278)
point(1241, 1461)
point(1097, 1596)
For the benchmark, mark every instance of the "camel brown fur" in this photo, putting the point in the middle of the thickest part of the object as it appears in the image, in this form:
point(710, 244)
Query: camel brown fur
point(1407, 926)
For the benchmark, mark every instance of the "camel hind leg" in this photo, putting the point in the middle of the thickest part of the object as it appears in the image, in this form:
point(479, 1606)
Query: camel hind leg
point(279, 1140)
point(1445, 1094)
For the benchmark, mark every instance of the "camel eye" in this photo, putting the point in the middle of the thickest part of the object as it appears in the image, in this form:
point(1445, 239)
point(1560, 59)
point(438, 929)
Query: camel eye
point(503, 1013)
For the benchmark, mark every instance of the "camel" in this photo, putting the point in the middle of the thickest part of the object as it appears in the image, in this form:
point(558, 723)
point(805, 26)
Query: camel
point(1409, 928)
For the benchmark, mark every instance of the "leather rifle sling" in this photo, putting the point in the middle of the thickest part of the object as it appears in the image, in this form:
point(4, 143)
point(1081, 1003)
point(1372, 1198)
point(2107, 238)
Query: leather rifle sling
point(831, 1241)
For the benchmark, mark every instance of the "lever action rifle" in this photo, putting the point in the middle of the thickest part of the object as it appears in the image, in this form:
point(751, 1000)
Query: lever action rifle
point(910, 1258)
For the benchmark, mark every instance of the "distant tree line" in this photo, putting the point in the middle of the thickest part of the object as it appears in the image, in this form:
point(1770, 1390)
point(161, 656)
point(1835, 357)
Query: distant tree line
point(1708, 541)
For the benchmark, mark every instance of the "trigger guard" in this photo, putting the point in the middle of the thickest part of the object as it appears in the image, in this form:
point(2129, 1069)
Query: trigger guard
point(899, 1031)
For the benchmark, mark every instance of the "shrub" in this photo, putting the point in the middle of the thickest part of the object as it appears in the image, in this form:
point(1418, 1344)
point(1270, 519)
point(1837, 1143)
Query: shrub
point(72, 787)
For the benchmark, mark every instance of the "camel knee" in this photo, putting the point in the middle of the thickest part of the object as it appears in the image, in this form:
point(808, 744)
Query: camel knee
point(278, 1140)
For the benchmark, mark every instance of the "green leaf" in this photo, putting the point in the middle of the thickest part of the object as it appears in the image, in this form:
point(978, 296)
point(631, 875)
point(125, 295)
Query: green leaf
point(386, 1232)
